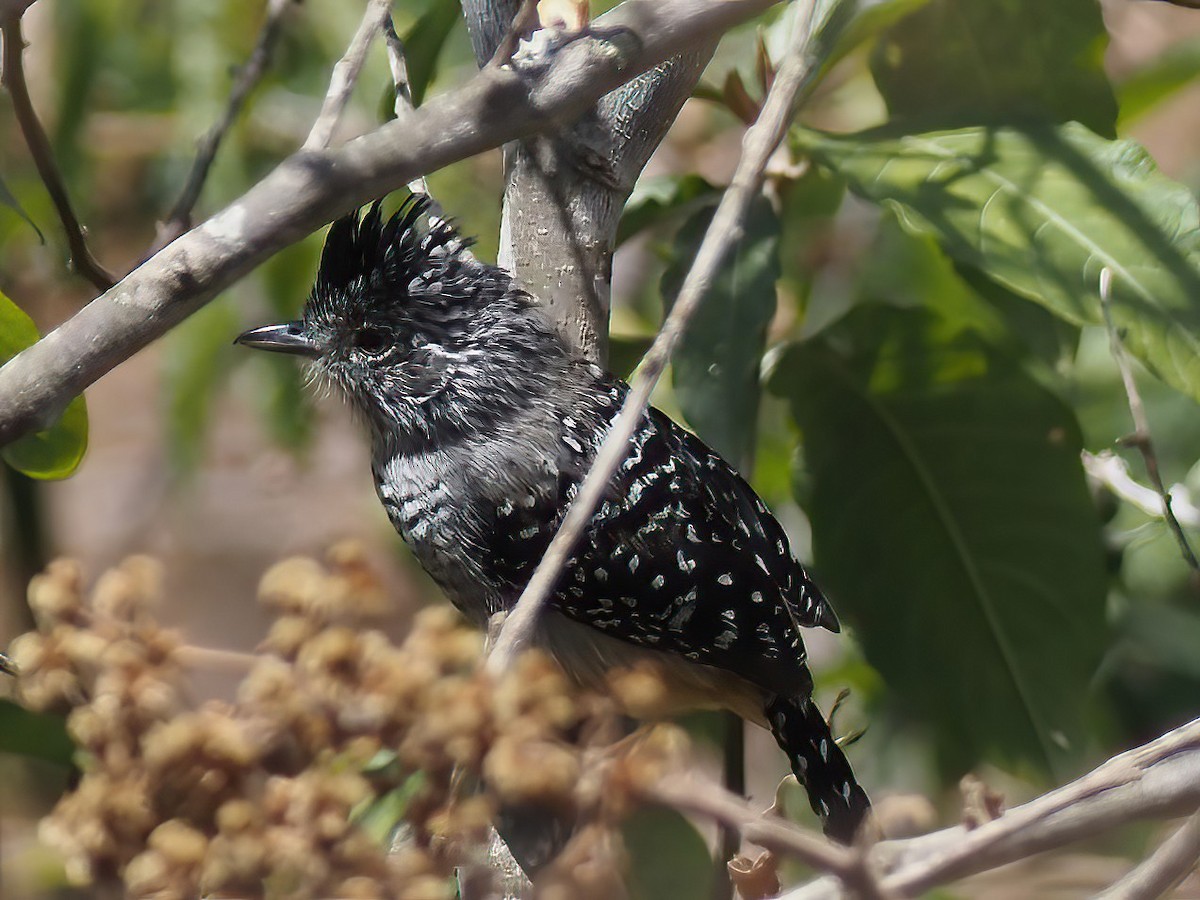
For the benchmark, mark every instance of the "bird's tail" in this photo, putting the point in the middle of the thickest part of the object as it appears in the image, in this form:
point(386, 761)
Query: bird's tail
point(819, 764)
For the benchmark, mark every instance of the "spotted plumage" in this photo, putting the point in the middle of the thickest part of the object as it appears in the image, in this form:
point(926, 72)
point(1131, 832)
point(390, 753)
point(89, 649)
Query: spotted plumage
point(484, 423)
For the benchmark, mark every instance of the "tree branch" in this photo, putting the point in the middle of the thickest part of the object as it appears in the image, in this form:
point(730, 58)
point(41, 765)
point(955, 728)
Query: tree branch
point(565, 192)
point(313, 187)
point(760, 143)
point(179, 219)
point(1163, 869)
point(1158, 780)
point(1141, 424)
point(345, 74)
point(701, 797)
point(13, 77)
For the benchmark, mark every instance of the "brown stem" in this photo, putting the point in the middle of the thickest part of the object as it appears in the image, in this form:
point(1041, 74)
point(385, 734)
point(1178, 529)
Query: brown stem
point(13, 76)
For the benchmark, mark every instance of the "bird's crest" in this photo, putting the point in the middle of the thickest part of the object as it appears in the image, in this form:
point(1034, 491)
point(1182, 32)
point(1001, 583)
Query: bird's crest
point(373, 252)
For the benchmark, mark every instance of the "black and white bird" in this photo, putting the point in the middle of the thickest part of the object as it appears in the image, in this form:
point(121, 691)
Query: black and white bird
point(483, 423)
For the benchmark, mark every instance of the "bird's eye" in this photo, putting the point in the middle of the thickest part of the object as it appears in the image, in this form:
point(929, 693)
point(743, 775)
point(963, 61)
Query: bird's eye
point(370, 340)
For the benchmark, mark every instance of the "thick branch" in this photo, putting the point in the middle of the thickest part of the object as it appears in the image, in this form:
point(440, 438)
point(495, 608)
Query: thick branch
point(310, 188)
point(566, 191)
point(760, 143)
point(13, 76)
point(1159, 780)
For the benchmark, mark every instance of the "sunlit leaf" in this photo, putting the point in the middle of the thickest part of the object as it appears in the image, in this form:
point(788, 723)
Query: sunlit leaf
point(1042, 211)
point(57, 451)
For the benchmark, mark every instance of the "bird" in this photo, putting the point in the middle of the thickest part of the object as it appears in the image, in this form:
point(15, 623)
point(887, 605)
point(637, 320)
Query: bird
point(483, 421)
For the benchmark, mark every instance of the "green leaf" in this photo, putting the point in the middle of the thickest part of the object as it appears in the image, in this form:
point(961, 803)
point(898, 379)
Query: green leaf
point(667, 856)
point(960, 62)
point(423, 45)
point(7, 198)
point(953, 529)
point(199, 355)
point(34, 734)
point(625, 351)
point(56, 451)
point(1042, 211)
point(658, 200)
point(1159, 80)
point(381, 816)
point(716, 365)
point(871, 18)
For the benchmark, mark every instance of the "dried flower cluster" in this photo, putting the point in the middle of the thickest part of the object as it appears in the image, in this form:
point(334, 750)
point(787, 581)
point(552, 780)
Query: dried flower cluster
point(269, 795)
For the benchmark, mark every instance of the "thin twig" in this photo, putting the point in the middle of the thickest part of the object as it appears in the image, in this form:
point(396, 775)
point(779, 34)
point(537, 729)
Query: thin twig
point(1141, 424)
point(689, 794)
point(1168, 865)
point(13, 77)
point(193, 656)
point(345, 74)
point(523, 22)
point(759, 144)
point(398, 63)
point(179, 219)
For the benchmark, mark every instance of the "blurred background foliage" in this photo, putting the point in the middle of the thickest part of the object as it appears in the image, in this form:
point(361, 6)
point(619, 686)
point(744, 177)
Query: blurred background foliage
point(906, 353)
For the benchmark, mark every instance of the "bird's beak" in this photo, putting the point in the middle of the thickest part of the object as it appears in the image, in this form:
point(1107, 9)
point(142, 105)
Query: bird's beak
point(286, 338)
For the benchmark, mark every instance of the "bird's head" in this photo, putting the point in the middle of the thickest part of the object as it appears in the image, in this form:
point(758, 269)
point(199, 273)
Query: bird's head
point(422, 338)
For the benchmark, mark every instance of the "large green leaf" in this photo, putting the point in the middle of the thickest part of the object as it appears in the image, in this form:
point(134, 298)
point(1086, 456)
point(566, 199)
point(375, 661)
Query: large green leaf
point(716, 366)
point(1043, 210)
point(953, 529)
point(57, 451)
point(966, 62)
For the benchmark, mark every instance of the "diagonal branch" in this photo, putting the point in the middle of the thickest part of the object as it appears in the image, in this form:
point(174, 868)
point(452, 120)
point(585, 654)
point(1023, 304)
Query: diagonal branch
point(345, 74)
point(1158, 780)
point(179, 219)
point(761, 141)
point(13, 76)
point(1164, 868)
